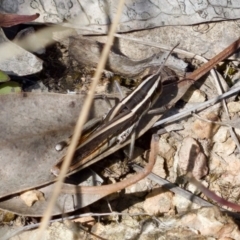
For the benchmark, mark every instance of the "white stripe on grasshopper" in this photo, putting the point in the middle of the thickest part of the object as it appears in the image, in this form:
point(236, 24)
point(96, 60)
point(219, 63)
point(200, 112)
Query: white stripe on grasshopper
point(123, 136)
point(129, 97)
point(129, 115)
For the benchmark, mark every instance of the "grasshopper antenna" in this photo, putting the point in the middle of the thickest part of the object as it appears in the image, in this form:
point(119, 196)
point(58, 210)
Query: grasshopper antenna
point(166, 58)
point(133, 137)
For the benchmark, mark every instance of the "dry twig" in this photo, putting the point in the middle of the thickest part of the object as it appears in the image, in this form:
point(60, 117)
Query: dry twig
point(81, 121)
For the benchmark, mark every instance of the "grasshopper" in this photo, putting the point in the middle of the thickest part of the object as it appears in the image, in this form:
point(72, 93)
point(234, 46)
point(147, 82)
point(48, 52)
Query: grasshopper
point(119, 122)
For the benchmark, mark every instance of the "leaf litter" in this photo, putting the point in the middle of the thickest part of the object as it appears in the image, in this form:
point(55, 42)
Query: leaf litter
point(33, 135)
point(16, 205)
point(23, 132)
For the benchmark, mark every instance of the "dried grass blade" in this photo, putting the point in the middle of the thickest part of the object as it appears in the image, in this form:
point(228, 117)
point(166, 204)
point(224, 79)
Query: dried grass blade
point(81, 121)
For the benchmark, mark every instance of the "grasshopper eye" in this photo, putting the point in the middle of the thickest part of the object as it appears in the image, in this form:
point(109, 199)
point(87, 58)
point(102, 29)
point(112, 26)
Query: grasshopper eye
point(61, 145)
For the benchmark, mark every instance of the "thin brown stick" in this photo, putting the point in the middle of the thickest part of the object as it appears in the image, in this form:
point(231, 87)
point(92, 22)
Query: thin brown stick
point(105, 190)
point(211, 194)
point(205, 68)
point(81, 120)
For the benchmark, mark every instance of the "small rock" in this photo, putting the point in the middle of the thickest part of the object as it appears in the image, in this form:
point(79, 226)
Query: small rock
point(20, 221)
point(30, 197)
point(194, 189)
point(194, 96)
point(205, 129)
point(140, 188)
point(116, 231)
point(221, 135)
point(166, 150)
point(148, 227)
point(225, 148)
point(210, 222)
point(209, 225)
point(182, 204)
point(158, 201)
point(233, 107)
point(25, 63)
point(101, 88)
point(191, 158)
point(232, 167)
point(215, 163)
point(60, 231)
point(158, 168)
point(97, 229)
point(237, 131)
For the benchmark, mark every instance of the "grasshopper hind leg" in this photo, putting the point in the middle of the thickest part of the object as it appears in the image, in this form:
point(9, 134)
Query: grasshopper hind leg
point(123, 136)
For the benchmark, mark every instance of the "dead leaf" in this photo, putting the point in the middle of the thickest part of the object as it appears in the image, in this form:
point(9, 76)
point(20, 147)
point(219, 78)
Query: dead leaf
point(87, 51)
point(31, 126)
point(8, 20)
point(17, 60)
point(65, 202)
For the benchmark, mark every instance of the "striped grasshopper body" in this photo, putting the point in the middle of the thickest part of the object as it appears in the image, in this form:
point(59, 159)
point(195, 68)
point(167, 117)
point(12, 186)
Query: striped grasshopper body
point(120, 118)
point(119, 122)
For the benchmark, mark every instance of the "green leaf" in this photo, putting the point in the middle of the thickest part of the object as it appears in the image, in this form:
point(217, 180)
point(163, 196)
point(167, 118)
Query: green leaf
point(4, 77)
point(10, 87)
